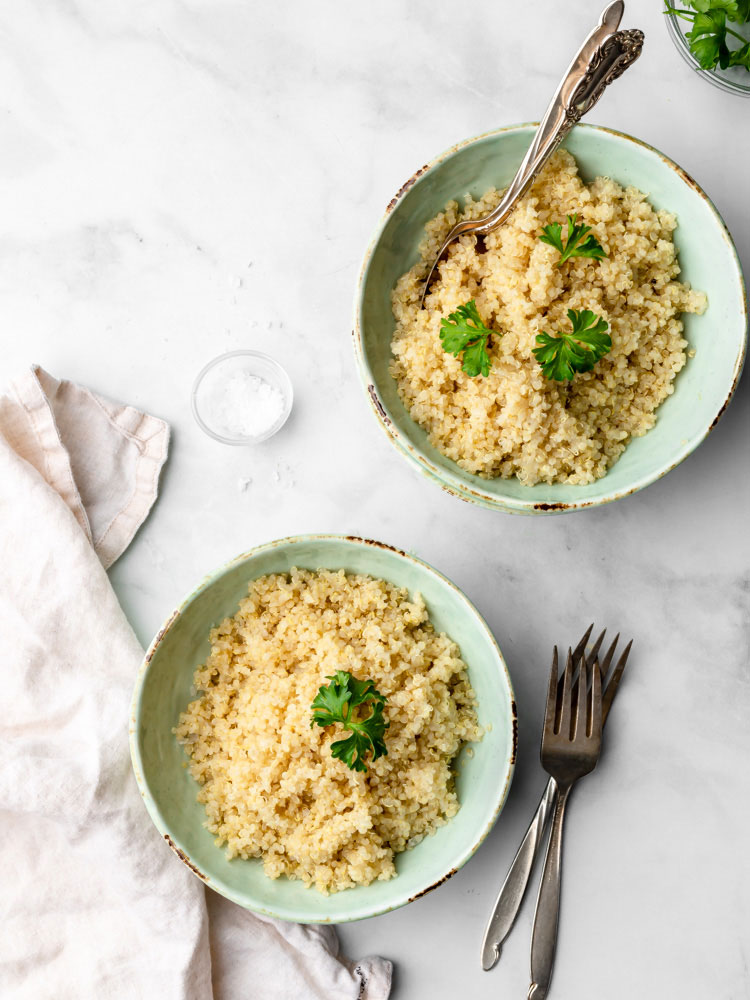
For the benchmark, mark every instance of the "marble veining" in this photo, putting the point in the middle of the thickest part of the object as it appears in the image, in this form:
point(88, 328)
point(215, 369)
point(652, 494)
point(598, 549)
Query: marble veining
point(183, 178)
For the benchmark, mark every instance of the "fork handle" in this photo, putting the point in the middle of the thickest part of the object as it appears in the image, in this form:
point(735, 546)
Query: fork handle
point(516, 881)
point(544, 936)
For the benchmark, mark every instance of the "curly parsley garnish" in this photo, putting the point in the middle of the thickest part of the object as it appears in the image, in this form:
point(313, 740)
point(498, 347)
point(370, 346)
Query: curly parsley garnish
point(465, 332)
point(335, 702)
point(590, 247)
point(561, 357)
point(709, 37)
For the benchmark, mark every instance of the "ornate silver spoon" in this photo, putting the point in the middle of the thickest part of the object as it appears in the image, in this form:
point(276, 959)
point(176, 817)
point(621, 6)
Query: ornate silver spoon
point(604, 56)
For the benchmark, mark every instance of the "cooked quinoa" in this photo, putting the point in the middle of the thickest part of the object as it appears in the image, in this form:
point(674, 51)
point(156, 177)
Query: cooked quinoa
point(269, 784)
point(515, 422)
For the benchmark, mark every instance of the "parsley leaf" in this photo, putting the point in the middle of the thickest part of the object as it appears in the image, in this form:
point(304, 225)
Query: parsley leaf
point(708, 39)
point(740, 57)
point(736, 10)
point(591, 247)
point(567, 353)
point(465, 331)
point(335, 702)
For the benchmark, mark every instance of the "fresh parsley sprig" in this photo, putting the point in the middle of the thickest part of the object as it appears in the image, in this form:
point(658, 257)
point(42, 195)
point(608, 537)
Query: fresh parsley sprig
point(561, 357)
point(464, 331)
point(335, 702)
point(708, 39)
point(590, 247)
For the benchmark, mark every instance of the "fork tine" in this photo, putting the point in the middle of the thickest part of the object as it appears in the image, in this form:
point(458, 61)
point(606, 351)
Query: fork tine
point(579, 721)
point(566, 709)
point(611, 691)
point(550, 709)
point(605, 663)
point(595, 731)
point(596, 647)
point(589, 657)
point(582, 642)
point(579, 657)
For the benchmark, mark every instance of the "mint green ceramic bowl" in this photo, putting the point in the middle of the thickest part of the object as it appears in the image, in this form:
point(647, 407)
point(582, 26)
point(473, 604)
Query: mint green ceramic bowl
point(163, 689)
point(709, 262)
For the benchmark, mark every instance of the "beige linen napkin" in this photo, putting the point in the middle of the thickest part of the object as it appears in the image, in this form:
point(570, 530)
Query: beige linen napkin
point(93, 903)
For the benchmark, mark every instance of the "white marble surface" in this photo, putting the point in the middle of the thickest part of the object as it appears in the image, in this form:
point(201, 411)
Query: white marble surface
point(180, 179)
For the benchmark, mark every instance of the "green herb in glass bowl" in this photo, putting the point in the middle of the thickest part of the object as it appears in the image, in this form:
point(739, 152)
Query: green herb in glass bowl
point(713, 36)
point(713, 41)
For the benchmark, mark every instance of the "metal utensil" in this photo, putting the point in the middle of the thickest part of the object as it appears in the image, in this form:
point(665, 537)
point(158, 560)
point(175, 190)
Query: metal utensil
point(511, 895)
point(571, 741)
point(604, 56)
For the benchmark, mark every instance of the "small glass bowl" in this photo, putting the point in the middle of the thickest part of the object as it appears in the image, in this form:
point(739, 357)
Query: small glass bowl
point(735, 79)
point(217, 372)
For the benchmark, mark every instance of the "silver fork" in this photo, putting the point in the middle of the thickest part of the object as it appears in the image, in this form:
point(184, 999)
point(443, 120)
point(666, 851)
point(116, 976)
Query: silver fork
point(571, 742)
point(516, 881)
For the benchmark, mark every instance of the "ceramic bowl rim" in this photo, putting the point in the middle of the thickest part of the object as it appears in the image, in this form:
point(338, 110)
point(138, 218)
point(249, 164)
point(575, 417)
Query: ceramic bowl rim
point(174, 841)
point(463, 490)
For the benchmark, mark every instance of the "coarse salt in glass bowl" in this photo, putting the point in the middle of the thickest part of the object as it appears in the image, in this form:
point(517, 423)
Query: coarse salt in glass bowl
point(242, 397)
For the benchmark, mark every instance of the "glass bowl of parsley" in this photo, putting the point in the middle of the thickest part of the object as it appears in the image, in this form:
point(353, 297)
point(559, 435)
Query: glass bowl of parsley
point(713, 36)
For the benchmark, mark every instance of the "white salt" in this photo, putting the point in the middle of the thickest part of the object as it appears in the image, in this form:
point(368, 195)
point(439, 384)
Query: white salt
point(243, 405)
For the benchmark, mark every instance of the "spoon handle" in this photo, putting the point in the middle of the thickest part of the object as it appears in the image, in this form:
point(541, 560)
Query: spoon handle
point(603, 57)
point(511, 895)
point(546, 917)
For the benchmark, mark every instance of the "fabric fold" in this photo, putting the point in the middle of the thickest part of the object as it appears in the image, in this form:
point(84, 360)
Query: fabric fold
point(103, 459)
point(94, 904)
